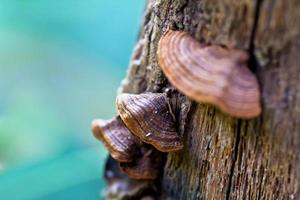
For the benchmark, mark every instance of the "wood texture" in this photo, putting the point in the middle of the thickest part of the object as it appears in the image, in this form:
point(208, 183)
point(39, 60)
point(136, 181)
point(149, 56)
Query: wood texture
point(225, 157)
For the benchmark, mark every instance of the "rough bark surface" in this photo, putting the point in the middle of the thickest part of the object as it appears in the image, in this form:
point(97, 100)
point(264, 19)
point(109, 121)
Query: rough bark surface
point(225, 157)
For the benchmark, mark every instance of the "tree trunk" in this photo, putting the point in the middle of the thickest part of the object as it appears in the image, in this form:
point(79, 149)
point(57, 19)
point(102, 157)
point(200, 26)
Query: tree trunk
point(226, 157)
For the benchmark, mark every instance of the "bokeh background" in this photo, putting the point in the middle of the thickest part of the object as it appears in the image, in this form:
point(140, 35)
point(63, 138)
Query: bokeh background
point(61, 63)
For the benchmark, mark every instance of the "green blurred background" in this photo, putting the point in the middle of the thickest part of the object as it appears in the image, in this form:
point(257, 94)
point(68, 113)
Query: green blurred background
point(61, 63)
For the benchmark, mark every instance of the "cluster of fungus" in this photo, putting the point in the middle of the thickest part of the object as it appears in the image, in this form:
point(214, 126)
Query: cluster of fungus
point(137, 136)
point(146, 124)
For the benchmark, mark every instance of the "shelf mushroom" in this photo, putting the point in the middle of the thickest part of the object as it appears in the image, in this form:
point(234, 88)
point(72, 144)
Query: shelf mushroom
point(210, 74)
point(149, 117)
point(121, 144)
point(136, 159)
point(147, 167)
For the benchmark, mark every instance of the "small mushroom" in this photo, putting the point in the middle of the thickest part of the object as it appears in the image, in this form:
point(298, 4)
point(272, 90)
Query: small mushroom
point(122, 145)
point(211, 74)
point(149, 117)
point(146, 167)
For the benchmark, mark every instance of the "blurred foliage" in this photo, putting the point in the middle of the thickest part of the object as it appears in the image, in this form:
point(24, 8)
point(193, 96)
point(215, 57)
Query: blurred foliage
point(61, 63)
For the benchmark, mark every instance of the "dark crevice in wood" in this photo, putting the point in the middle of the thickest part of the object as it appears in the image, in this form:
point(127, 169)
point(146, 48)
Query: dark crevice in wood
point(259, 187)
point(252, 61)
point(252, 64)
point(234, 159)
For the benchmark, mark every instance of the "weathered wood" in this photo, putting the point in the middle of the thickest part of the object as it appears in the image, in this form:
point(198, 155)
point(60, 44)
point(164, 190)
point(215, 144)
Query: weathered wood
point(225, 157)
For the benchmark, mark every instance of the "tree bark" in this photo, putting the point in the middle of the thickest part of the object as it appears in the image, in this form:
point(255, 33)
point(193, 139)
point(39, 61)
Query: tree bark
point(226, 157)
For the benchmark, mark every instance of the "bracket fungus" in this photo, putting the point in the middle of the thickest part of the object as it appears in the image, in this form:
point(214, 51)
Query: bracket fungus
point(120, 186)
point(146, 167)
point(149, 117)
point(122, 145)
point(210, 74)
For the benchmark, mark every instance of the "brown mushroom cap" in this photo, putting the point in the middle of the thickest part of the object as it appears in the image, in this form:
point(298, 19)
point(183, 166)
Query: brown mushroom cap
point(148, 116)
point(121, 144)
point(146, 167)
point(211, 74)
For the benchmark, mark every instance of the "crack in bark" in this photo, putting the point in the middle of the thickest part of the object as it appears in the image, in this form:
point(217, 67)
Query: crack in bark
point(252, 63)
point(235, 155)
point(252, 60)
point(260, 188)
